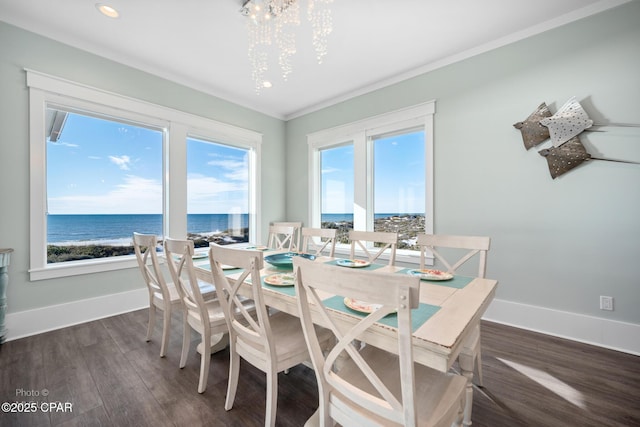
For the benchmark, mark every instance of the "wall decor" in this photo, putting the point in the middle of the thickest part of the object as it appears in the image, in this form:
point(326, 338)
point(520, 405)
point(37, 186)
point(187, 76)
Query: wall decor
point(563, 129)
point(569, 121)
point(533, 133)
point(565, 157)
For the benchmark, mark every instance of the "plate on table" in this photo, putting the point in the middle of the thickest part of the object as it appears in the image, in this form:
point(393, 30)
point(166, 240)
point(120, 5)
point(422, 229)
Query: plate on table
point(257, 248)
point(430, 274)
point(352, 263)
point(285, 259)
point(280, 279)
point(228, 267)
point(361, 306)
point(199, 255)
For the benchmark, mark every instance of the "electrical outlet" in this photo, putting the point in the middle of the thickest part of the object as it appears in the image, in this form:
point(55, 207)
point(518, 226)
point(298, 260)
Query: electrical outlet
point(606, 303)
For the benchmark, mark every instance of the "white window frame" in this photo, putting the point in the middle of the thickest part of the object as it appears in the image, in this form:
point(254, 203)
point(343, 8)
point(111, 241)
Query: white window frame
point(45, 90)
point(360, 133)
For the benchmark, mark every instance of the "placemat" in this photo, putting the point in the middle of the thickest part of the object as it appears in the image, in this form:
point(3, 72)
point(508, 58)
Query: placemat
point(418, 315)
point(369, 267)
point(287, 290)
point(457, 282)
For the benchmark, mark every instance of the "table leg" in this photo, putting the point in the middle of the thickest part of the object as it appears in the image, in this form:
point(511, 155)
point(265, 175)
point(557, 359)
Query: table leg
point(466, 362)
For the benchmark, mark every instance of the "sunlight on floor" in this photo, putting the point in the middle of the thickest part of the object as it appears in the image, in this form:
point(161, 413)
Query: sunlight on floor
point(560, 388)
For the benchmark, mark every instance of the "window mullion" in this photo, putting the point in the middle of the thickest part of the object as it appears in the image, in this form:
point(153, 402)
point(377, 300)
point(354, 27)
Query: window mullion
point(361, 197)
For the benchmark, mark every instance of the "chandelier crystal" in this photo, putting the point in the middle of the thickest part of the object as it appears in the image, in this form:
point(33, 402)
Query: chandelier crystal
point(274, 22)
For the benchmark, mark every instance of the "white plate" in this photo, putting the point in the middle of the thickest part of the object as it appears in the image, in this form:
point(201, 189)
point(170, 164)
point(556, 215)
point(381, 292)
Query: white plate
point(200, 255)
point(228, 267)
point(430, 274)
point(361, 306)
point(352, 263)
point(280, 279)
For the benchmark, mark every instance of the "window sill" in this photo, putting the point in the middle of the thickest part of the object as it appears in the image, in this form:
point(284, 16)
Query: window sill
point(76, 268)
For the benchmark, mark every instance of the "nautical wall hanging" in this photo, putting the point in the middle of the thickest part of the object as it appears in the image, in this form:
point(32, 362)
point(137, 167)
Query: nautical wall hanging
point(563, 129)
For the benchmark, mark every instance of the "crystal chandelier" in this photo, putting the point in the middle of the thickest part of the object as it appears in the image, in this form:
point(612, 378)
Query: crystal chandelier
point(275, 21)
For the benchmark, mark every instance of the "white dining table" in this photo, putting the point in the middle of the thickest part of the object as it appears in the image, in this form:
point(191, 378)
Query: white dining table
point(436, 343)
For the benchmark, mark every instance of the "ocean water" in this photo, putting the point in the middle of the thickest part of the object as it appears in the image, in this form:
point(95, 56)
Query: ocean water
point(118, 229)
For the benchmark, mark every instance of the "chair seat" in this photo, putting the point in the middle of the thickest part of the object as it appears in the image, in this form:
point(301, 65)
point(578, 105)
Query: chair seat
point(216, 313)
point(206, 289)
point(289, 337)
point(433, 388)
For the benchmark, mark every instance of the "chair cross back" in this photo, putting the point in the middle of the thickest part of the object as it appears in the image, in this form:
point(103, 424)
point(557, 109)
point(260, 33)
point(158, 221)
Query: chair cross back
point(281, 237)
point(180, 263)
point(297, 226)
point(310, 245)
point(388, 240)
point(475, 245)
point(149, 264)
point(246, 326)
point(393, 292)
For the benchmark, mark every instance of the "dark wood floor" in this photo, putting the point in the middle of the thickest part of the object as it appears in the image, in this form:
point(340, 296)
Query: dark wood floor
point(112, 377)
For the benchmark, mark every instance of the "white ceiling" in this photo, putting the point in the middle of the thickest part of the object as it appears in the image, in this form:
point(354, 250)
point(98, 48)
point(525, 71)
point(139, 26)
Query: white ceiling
point(203, 43)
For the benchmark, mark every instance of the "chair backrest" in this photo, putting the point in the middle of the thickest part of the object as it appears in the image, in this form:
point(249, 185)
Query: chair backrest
point(144, 246)
point(466, 248)
point(326, 239)
point(297, 226)
point(250, 334)
point(179, 255)
point(281, 237)
point(385, 240)
point(394, 293)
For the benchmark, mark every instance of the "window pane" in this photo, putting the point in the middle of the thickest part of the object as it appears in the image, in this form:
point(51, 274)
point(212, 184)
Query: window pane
point(399, 186)
point(336, 165)
point(104, 181)
point(217, 193)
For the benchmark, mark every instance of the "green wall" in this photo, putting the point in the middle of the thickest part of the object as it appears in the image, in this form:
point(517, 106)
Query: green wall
point(557, 244)
point(21, 49)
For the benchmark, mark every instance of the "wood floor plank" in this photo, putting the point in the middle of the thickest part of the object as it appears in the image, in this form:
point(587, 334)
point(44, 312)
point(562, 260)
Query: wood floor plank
point(114, 377)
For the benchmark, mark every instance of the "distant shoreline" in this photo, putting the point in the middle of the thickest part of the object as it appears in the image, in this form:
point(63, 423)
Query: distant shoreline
point(406, 225)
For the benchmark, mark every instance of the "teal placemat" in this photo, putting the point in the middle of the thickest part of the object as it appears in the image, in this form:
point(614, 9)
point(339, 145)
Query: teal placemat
point(457, 282)
point(287, 290)
point(418, 315)
point(369, 267)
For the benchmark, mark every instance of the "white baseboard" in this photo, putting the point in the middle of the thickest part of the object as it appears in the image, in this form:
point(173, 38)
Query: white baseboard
point(612, 334)
point(597, 331)
point(31, 322)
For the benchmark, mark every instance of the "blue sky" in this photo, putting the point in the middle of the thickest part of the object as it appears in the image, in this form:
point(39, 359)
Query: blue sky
point(398, 176)
point(99, 166)
point(104, 167)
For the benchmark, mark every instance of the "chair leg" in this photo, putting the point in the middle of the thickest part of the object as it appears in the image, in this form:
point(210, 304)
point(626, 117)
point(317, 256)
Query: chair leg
point(272, 398)
point(166, 327)
point(152, 320)
point(205, 361)
point(478, 375)
point(232, 386)
point(186, 341)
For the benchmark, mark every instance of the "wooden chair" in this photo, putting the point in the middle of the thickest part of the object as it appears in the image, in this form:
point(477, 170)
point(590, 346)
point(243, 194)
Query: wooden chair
point(206, 317)
point(297, 226)
point(326, 239)
point(372, 386)
point(162, 294)
point(462, 249)
point(386, 240)
point(270, 343)
point(281, 237)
